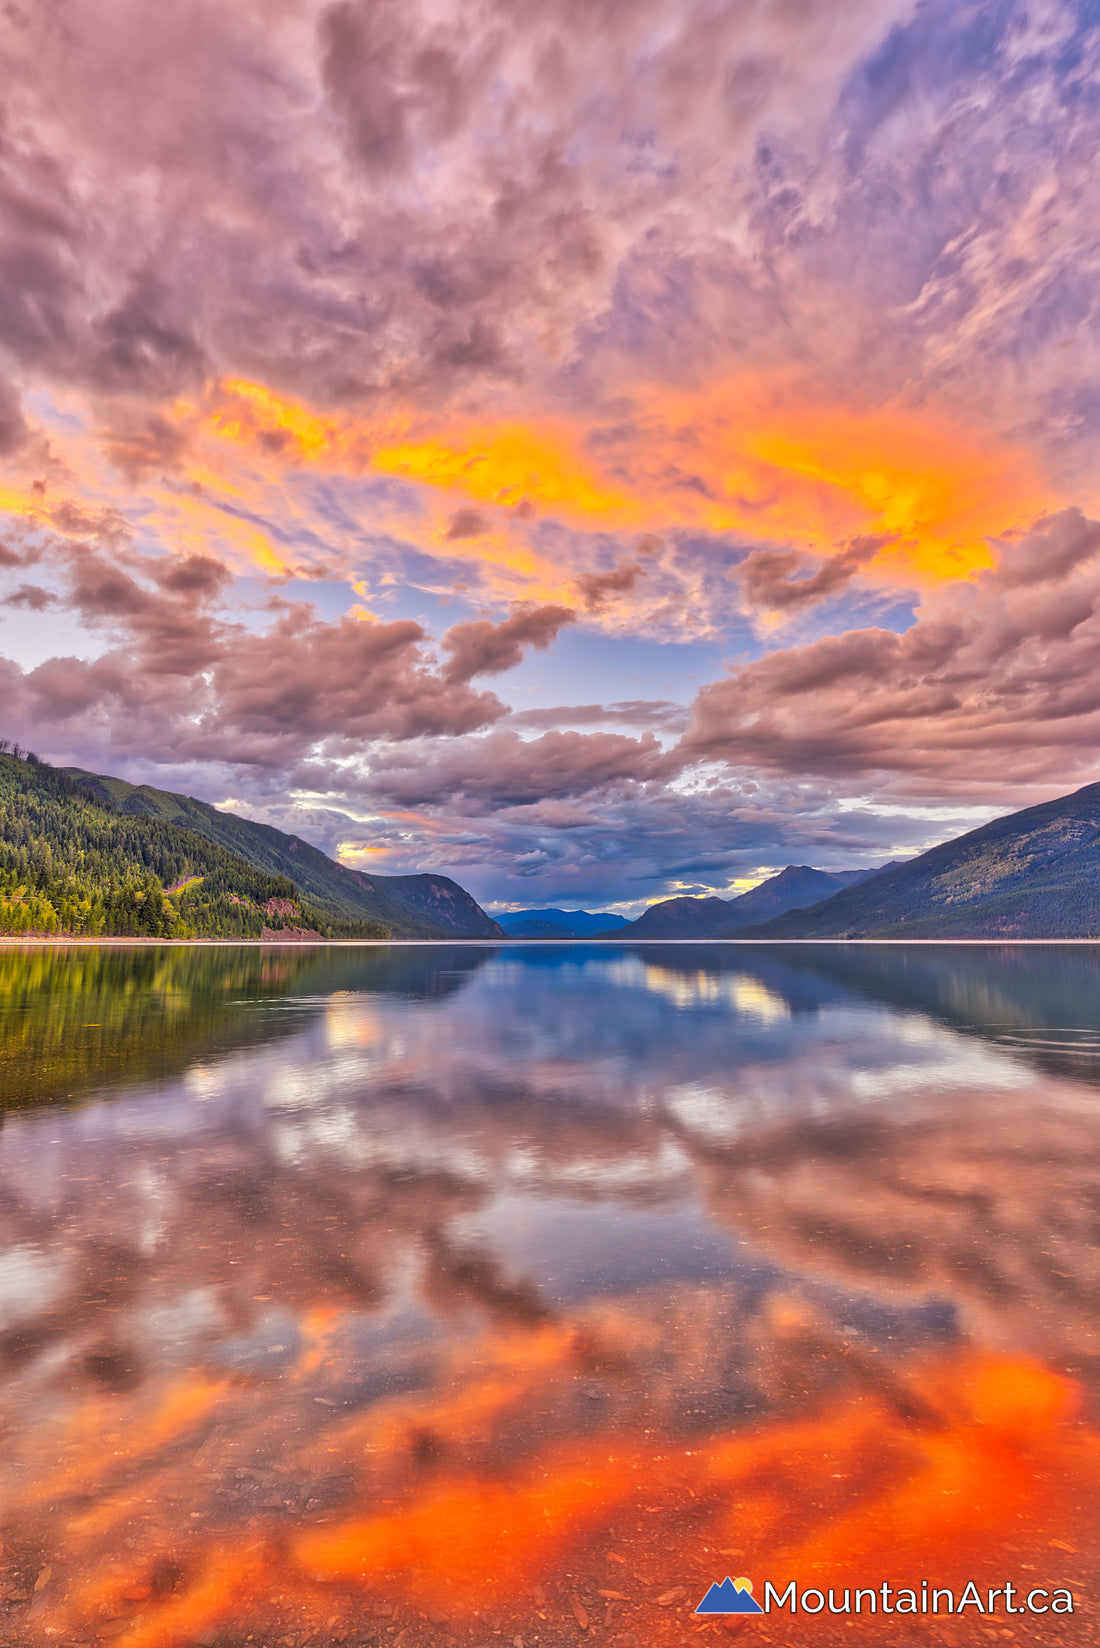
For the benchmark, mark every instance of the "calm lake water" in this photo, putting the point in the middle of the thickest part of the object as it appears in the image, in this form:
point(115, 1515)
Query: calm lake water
point(478, 1295)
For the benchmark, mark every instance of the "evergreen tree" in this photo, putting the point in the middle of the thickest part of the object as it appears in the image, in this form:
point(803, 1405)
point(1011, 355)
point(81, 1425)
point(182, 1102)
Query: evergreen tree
point(72, 864)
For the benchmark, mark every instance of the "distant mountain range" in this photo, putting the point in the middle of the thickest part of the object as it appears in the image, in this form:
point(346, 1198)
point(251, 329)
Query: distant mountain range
point(796, 887)
point(1033, 874)
point(86, 854)
point(559, 923)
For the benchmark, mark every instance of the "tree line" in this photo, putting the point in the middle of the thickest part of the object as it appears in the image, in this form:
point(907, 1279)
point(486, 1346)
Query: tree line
point(69, 864)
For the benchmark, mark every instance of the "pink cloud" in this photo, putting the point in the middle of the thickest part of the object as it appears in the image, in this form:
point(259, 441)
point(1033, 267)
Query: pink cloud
point(502, 769)
point(182, 678)
point(997, 680)
point(598, 588)
point(777, 579)
point(484, 648)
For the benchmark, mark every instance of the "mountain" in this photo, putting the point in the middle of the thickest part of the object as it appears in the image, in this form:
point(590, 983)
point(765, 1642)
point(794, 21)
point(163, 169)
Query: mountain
point(1032, 874)
point(558, 923)
point(680, 918)
point(87, 854)
point(795, 887)
point(538, 929)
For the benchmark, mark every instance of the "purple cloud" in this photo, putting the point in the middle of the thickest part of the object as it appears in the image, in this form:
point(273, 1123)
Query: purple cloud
point(997, 680)
point(484, 648)
point(516, 214)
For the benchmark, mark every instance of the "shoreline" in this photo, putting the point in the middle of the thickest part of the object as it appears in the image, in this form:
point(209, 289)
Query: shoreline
point(30, 941)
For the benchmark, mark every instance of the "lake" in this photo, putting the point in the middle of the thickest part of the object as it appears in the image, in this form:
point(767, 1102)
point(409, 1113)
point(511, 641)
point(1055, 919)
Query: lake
point(481, 1295)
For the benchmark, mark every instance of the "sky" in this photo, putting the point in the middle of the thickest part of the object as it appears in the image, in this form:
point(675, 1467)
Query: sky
point(596, 449)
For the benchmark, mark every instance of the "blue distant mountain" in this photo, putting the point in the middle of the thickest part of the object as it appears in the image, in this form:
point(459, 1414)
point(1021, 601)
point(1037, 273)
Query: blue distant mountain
point(728, 1599)
point(558, 923)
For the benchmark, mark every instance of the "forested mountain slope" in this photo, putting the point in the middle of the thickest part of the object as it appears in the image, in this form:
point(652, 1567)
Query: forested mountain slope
point(1032, 874)
point(418, 906)
point(96, 857)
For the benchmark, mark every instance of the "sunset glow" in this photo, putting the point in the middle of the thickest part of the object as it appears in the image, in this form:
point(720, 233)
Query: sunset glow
point(549, 820)
point(458, 1290)
point(998, 1459)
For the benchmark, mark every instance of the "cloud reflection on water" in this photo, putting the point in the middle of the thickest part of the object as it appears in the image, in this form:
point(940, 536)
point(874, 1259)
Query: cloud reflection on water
point(575, 1232)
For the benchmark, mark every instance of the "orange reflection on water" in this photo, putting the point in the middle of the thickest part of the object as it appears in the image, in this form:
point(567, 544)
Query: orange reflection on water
point(463, 1501)
point(474, 1540)
point(96, 1443)
point(987, 1451)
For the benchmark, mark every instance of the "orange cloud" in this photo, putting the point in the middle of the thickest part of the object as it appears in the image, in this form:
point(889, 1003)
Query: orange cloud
point(201, 524)
point(749, 455)
point(312, 435)
point(754, 458)
point(23, 502)
point(508, 464)
point(245, 441)
point(939, 494)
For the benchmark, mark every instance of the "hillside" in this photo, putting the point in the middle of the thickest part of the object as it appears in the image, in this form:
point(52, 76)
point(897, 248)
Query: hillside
point(559, 923)
point(425, 906)
point(795, 887)
point(1033, 874)
point(91, 855)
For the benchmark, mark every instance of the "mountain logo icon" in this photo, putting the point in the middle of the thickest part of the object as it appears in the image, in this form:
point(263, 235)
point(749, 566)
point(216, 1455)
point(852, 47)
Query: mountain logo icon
point(733, 1596)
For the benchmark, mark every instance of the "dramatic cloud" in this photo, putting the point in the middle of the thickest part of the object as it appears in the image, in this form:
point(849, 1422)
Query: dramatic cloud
point(598, 588)
point(31, 596)
point(354, 350)
point(503, 769)
point(466, 523)
point(768, 575)
point(407, 169)
point(483, 648)
point(13, 429)
point(187, 681)
point(611, 832)
point(266, 699)
point(638, 712)
point(997, 681)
